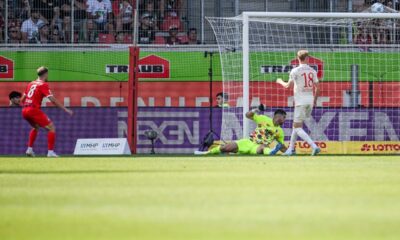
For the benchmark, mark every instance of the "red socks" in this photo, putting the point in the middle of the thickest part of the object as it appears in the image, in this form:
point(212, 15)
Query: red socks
point(32, 137)
point(51, 140)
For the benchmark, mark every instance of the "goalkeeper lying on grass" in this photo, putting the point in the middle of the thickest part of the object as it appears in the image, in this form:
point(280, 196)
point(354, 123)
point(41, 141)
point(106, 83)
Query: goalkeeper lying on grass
point(267, 131)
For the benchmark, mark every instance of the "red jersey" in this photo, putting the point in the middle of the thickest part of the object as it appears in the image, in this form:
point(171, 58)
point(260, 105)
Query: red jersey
point(35, 92)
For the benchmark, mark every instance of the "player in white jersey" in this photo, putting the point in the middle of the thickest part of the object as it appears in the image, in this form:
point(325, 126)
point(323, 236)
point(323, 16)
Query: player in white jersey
point(305, 84)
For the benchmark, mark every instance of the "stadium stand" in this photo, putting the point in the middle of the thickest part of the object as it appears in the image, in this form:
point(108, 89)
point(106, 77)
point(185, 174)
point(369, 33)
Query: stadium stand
point(95, 22)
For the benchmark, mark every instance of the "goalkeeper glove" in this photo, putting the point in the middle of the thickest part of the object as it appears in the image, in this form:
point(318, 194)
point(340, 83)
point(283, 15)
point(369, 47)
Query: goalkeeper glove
point(276, 149)
point(260, 108)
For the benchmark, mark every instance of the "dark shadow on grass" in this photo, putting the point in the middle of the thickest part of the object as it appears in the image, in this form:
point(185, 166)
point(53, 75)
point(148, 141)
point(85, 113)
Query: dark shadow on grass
point(90, 171)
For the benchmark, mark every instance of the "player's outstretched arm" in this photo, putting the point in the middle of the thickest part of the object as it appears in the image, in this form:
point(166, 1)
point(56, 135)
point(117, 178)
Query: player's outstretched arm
point(23, 98)
point(284, 84)
point(59, 105)
point(250, 114)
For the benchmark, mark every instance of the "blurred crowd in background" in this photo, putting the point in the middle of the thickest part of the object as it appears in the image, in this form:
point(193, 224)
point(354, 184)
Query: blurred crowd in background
point(378, 31)
point(112, 21)
point(95, 21)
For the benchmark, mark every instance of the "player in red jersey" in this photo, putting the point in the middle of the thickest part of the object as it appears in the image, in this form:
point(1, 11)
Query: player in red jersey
point(32, 100)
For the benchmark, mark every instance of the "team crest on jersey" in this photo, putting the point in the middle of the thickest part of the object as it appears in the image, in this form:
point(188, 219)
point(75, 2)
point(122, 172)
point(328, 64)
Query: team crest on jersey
point(6, 68)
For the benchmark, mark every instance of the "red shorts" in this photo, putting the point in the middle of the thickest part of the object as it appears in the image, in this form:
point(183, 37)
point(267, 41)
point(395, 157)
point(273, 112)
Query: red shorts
point(35, 117)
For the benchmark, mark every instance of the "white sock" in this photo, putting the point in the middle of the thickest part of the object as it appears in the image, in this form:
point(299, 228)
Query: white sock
point(305, 137)
point(51, 151)
point(293, 139)
point(30, 149)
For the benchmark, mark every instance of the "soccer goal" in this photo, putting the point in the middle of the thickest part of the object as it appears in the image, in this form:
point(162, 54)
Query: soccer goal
point(356, 56)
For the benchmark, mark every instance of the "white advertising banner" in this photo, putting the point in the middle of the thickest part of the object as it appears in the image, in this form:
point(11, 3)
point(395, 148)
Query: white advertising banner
point(102, 146)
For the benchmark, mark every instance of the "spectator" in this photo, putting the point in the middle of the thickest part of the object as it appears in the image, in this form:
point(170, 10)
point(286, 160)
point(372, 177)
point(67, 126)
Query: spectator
point(222, 100)
point(154, 15)
point(120, 38)
point(14, 35)
point(173, 39)
point(364, 38)
point(45, 8)
point(123, 16)
point(15, 99)
point(44, 34)
point(80, 8)
point(110, 28)
point(55, 36)
point(100, 12)
point(29, 29)
point(171, 19)
point(382, 36)
point(57, 21)
point(22, 9)
point(171, 6)
point(66, 29)
point(146, 29)
point(90, 35)
point(192, 37)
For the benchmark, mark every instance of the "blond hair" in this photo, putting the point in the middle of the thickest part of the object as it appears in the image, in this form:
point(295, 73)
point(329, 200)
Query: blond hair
point(302, 54)
point(42, 70)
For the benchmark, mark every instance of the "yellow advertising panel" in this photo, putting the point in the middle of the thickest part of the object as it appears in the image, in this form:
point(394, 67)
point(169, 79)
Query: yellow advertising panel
point(328, 147)
point(343, 147)
point(371, 147)
point(349, 147)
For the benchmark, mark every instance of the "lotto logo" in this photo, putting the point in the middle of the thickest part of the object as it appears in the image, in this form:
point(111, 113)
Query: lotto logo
point(380, 147)
point(305, 145)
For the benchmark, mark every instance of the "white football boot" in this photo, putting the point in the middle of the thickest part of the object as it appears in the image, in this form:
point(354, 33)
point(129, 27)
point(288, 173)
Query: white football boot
point(289, 153)
point(52, 154)
point(315, 151)
point(29, 152)
point(200, 152)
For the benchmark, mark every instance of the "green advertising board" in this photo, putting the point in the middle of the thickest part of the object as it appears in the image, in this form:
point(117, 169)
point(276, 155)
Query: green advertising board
point(193, 66)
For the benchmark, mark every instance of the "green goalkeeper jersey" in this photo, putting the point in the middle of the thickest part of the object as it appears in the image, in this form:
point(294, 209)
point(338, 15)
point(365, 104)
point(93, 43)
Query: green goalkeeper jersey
point(266, 132)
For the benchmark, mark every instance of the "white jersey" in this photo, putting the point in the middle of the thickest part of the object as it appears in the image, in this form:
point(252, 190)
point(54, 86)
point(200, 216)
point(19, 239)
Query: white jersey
point(101, 8)
point(304, 78)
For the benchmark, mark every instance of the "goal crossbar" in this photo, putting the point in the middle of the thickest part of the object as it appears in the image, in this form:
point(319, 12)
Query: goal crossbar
point(318, 15)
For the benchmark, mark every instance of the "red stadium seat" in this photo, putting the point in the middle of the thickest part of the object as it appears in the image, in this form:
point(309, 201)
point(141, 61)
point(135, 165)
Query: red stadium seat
point(159, 40)
point(170, 21)
point(106, 38)
point(184, 39)
point(128, 39)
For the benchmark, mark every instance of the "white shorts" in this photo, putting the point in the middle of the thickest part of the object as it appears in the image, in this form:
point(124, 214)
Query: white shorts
point(302, 112)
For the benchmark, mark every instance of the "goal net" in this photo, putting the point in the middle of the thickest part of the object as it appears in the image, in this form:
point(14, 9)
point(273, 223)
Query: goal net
point(356, 56)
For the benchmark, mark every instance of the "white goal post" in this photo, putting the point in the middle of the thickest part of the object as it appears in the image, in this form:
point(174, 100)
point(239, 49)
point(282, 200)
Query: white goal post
point(253, 39)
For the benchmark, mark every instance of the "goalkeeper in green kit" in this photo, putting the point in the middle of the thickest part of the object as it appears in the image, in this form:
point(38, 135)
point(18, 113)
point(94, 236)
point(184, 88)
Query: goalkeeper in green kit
point(267, 130)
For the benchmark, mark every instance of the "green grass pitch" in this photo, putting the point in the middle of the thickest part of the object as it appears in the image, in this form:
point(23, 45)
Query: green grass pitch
point(338, 197)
